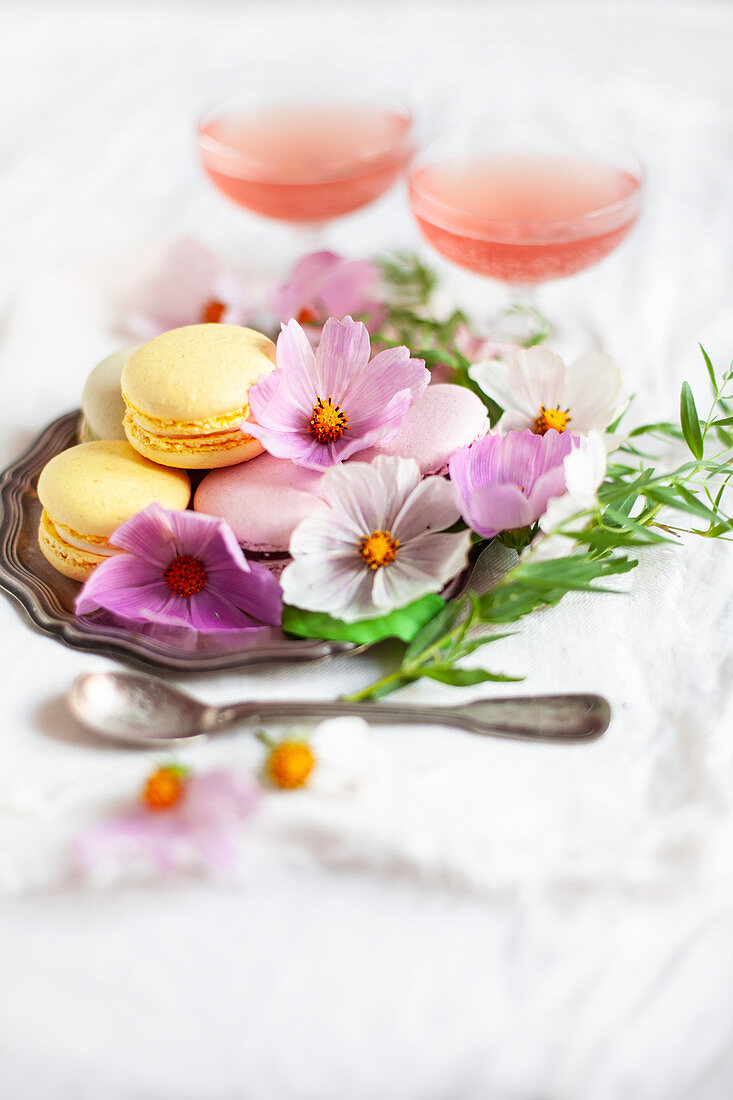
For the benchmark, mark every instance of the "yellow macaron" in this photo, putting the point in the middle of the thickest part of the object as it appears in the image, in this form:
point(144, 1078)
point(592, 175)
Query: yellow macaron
point(187, 395)
point(88, 491)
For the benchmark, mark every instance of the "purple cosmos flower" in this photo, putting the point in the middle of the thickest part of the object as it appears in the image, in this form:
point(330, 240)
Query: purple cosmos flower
point(182, 569)
point(317, 408)
point(380, 545)
point(193, 821)
point(506, 481)
point(192, 286)
point(323, 285)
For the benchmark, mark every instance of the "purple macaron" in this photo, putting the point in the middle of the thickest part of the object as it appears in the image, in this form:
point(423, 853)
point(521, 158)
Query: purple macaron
point(262, 500)
point(443, 418)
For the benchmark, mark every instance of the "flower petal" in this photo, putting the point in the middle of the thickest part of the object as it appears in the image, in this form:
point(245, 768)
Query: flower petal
point(340, 587)
point(389, 372)
point(148, 535)
point(400, 478)
point(378, 428)
point(123, 584)
point(328, 534)
point(297, 362)
point(358, 492)
point(424, 565)
point(254, 593)
point(497, 507)
point(272, 406)
point(431, 506)
point(592, 391)
point(343, 350)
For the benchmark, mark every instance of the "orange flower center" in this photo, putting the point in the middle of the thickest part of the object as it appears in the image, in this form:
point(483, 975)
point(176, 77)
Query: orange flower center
point(379, 549)
point(185, 576)
point(327, 423)
point(307, 316)
point(289, 764)
point(551, 418)
point(212, 312)
point(163, 789)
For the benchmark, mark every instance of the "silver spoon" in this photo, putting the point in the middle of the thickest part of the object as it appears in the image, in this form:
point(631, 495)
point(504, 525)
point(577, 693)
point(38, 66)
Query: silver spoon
point(138, 710)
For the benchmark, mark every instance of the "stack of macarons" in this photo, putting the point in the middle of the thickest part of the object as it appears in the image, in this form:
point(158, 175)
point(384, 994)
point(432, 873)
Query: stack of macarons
point(88, 491)
point(180, 403)
point(149, 414)
point(186, 395)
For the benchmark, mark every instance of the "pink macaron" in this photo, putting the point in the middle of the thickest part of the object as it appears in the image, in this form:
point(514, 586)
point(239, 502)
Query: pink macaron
point(262, 500)
point(443, 418)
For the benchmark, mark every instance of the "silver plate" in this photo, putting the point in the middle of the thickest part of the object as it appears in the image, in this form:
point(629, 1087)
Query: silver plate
point(47, 597)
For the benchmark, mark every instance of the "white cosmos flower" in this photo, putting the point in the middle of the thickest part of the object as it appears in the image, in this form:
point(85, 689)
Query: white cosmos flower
point(379, 545)
point(585, 469)
point(537, 390)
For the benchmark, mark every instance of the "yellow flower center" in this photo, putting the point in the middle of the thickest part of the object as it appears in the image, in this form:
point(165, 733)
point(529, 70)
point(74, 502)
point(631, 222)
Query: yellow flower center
point(551, 418)
point(212, 312)
point(163, 789)
point(185, 576)
point(289, 764)
point(327, 423)
point(379, 548)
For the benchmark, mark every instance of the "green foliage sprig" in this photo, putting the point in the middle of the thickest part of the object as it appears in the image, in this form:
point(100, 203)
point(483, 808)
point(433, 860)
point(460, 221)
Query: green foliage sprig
point(640, 503)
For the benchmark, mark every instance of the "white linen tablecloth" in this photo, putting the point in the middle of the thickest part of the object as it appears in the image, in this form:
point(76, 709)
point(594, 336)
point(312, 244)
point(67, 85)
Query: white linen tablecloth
point(448, 917)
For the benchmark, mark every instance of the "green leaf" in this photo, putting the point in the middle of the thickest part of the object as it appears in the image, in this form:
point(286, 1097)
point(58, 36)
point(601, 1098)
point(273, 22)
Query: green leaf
point(710, 369)
point(433, 357)
point(403, 623)
point(473, 644)
point(443, 621)
point(690, 421)
point(464, 677)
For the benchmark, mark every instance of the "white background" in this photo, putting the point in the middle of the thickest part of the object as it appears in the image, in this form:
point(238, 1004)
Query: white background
point(472, 919)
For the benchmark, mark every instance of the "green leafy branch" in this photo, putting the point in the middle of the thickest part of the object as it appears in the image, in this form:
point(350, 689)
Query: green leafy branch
point(603, 541)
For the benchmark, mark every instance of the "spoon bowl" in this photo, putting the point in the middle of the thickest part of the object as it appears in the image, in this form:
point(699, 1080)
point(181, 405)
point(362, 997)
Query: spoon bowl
point(136, 708)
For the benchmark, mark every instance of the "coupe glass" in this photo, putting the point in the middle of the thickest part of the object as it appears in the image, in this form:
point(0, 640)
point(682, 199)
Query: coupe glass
point(305, 162)
point(524, 206)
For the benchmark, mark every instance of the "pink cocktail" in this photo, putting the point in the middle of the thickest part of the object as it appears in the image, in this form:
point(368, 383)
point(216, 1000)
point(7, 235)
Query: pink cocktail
point(305, 162)
point(524, 217)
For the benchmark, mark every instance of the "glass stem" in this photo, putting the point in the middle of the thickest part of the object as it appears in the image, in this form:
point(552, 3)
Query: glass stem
point(522, 321)
point(310, 236)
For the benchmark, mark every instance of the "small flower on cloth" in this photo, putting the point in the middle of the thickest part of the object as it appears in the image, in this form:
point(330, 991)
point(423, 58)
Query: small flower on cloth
point(182, 569)
point(505, 482)
point(317, 408)
point(182, 821)
point(192, 287)
point(323, 285)
point(538, 391)
point(381, 543)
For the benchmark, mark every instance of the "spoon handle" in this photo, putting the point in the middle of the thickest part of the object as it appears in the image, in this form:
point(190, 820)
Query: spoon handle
point(556, 718)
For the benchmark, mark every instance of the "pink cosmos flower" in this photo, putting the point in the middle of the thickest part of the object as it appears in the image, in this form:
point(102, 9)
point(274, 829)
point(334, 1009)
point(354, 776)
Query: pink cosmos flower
point(323, 285)
point(380, 544)
point(317, 408)
point(182, 569)
point(505, 482)
point(185, 822)
point(192, 286)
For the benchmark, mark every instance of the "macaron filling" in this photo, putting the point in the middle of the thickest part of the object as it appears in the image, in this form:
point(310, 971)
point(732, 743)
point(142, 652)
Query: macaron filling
point(197, 439)
point(90, 544)
point(72, 560)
